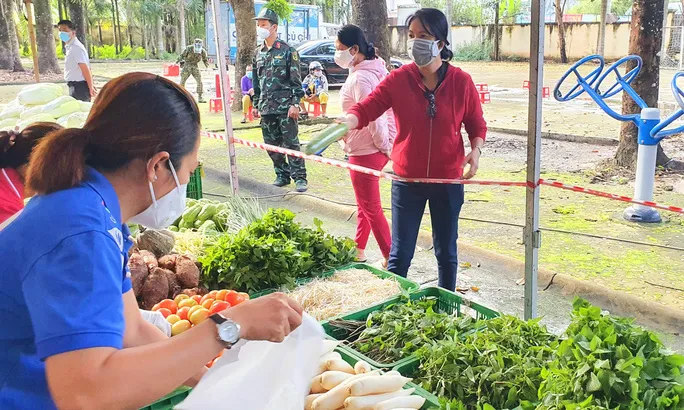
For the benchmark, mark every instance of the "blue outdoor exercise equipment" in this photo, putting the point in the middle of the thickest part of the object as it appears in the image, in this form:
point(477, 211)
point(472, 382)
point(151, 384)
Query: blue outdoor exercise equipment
point(651, 128)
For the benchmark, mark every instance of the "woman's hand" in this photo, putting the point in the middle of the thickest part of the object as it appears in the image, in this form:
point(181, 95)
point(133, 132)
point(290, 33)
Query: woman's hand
point(350, 121)
point(472, 159)
point(269, 317)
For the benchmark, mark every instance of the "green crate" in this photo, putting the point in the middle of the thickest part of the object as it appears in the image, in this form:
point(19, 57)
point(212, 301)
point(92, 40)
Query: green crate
point(194, 190)
point(447, 302)
point(404, 283)
point(408, 369)
point(169, 401)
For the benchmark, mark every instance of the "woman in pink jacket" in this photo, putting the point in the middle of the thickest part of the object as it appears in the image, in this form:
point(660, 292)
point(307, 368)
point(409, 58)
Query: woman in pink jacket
point(369, 146)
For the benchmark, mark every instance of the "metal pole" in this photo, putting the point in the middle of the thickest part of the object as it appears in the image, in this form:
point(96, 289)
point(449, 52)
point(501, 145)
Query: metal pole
point(32, 36)
point(220, 38)
point(532, 235)
point(449, 4)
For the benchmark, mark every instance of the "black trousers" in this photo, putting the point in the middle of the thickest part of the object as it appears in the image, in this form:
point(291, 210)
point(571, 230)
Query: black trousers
point(79, 90)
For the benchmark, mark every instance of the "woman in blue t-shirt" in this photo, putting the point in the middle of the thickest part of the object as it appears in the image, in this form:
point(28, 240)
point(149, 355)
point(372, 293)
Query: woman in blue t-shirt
point(73, 336)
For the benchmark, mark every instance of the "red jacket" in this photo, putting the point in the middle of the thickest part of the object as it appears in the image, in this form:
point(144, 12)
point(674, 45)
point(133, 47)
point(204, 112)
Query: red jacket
point(425, 147)
point(11, 193)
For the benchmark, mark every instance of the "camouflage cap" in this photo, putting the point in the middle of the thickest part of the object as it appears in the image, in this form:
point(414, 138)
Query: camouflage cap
point(267, 14)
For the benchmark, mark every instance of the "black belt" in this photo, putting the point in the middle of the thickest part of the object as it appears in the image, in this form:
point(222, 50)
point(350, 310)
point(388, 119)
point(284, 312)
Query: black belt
point(76, 82)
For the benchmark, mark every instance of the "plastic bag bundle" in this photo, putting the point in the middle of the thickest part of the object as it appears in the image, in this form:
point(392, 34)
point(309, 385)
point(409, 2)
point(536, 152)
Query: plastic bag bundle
point(40, 94)
point(11, 111)
point(74, 120)
point(326, 137)
point(62, 106)
point(31, 111)
point(262, 375)
point(8, 124)
point(85, 106)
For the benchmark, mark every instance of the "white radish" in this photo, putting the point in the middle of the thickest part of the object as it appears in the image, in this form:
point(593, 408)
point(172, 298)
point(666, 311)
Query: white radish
point(367, 402)
point(340, 366)
point(334, 399)
point(310, 399)
point(361, 367)
point(393, 373)
point(329, 346)
point(377, 385)
point(331, 379)
point(408, 402)
point(316, 386)
point(323, 364)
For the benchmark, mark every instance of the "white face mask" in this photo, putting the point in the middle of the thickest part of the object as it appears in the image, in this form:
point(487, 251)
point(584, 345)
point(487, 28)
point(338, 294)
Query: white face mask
point(421, 51)
point(263, 33)
point(343, 58)
point(164, 210)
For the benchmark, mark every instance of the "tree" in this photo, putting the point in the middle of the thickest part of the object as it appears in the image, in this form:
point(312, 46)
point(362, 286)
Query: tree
point(645, 40)
point(246, 39)
point(9, 43)
point(45, 38)
point(371, 16)
point(77, 16)
point(181, 23)
point(560, 9)
point(605, 9)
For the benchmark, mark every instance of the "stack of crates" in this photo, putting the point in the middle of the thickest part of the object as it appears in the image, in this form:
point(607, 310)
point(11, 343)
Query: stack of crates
point(195, 185)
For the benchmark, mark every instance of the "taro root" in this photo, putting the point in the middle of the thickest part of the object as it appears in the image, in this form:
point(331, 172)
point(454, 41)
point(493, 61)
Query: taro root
point(168, 262)
point(187, 272)
point(139, 272)
point(150, 260)
point(155, 289)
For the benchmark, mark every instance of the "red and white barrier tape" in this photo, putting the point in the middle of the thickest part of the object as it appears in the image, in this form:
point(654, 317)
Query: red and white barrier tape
point(380, 174)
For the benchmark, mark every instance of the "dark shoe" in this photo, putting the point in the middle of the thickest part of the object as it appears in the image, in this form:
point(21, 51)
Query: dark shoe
point(301, 186)
point(303, 116)
point(281, 182)
point(201, 100)
point(244, 121)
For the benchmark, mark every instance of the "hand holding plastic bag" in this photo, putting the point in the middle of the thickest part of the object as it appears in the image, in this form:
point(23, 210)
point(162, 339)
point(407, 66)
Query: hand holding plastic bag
point(158, 320)
point(262, 375)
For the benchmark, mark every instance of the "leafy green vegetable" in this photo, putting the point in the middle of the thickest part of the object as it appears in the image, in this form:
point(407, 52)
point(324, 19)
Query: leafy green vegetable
point(607, 362)
point(273, 252)
point(400, 329)
point(497, 367)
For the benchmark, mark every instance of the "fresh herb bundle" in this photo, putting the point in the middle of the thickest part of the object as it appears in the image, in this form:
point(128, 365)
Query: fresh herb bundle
point(497, 367)
point(400, 329)
point(273, 252)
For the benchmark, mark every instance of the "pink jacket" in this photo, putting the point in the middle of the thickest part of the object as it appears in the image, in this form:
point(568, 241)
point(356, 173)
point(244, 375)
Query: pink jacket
point(379, 134)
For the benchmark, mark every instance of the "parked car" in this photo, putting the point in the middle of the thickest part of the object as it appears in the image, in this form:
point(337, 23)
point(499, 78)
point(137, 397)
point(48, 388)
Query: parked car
point(323, 51)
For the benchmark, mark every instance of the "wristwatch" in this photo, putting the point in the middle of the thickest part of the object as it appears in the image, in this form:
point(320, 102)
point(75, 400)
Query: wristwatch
point(227, 330)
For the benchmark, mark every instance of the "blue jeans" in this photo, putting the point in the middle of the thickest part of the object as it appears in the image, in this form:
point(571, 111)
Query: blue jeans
point(408, 207)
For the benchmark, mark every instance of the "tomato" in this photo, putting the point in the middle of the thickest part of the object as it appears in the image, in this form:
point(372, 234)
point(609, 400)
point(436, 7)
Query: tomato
point(221, 295)
point(194, 309)
point(197, 298)
point(165, 312)
point(207, 303)
point(155, 307)
point(213, 294)
point(204, 298)
point(209, 364)
point(244, 295)
point(235, 298)
point(180, 327)
point(169, 304)
point(180, 297)
point(173, 319)
point(199, 316)
point(187, 303)
point(218, 306)
point(183, 312)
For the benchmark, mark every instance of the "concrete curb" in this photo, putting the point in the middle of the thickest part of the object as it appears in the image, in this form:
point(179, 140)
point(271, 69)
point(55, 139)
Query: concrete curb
point(658, 316)
point(604, 141)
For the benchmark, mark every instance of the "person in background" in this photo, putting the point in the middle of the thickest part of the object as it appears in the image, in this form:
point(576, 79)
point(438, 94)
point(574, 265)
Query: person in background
point(77, 72)
point(15, 150)
point(431, 100)
point(74, 336)
point(315, 87)
point(370, 146)
point(247, 93)
point(189, 60)
point(277, 92)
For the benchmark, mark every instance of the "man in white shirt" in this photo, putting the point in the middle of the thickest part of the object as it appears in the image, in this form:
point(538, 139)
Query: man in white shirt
point(77, 72)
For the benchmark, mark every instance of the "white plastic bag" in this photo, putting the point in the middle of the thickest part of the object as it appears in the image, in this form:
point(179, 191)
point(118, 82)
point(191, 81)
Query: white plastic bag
point(39, 94)
point(11, 111)
point(73, 120)
point(36, 118)
point(158, 320)
point(62, 106)
point(31, 111)
point(85, 106)
point(8, 124)
point(262, 375)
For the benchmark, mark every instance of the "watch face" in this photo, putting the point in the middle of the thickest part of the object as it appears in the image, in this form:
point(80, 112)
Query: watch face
point(229, 332)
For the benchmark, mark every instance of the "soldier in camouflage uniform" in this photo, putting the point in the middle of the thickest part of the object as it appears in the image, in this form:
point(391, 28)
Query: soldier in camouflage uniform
point(277, 92)
point(190, 59)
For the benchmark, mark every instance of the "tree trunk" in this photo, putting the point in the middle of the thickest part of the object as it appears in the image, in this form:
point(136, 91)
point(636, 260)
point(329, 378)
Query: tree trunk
point(645, 40)
point(61, 10)
point(181, 24)
point(99, 32)
point(160, 37)
point(118, 25)
point(497, 17)
point(246, 40)
point(560, 6)
point(144, 39)
point(45, 38)
point(605, 9)
point(78, 18)
point(371, 16)
point(9, 43)
point(117, 40)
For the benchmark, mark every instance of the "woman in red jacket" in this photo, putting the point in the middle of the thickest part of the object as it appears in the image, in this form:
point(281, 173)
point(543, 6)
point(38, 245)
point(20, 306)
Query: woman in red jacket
point(15, 149)
point(431, 100)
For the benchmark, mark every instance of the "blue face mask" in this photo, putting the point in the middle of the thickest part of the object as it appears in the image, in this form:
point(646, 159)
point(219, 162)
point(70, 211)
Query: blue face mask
point(249, 75)
point(64, 36)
